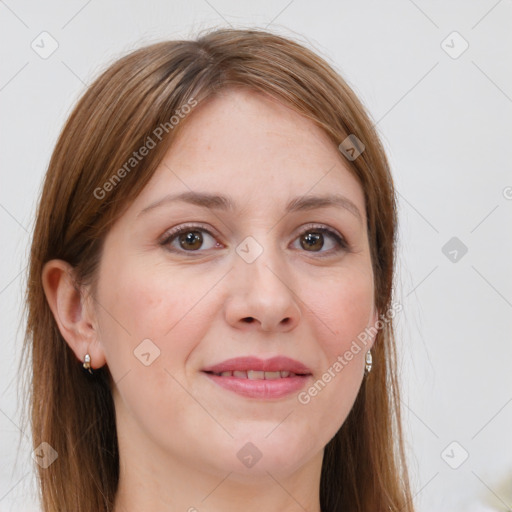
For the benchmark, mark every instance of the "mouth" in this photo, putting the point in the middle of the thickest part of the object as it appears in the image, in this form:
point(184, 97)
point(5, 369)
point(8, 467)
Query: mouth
point(263, 379)
point(259, 375)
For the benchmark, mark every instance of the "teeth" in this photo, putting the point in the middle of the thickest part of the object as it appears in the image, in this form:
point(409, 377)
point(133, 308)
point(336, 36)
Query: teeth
point(257, 375)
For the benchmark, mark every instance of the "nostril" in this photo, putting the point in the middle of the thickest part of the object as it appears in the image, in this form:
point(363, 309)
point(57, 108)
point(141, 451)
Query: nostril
point(248, 319)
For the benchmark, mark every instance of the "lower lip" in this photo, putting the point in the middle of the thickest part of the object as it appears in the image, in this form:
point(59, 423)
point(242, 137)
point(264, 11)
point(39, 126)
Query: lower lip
point(261, 388)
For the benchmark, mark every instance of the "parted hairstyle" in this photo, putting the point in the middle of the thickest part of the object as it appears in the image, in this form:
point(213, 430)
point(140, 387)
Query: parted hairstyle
point(364, 466)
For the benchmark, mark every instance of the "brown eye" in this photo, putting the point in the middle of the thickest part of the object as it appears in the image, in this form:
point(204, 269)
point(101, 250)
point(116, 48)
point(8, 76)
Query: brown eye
point(312, 241)
point(191, 240)
point(322, 240)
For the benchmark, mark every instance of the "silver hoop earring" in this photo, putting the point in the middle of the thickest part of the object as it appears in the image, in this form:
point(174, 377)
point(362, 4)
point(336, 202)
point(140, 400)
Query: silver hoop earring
point(87, 363)
point(368, 363)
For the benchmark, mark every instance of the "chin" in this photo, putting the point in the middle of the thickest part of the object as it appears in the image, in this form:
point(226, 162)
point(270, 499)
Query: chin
point(256, 455)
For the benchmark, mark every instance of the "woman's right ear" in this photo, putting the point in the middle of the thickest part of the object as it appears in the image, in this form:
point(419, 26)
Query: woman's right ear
point(73, 314)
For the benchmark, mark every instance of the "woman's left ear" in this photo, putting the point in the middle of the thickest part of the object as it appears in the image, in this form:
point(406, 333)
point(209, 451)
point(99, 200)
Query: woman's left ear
point(73, 311)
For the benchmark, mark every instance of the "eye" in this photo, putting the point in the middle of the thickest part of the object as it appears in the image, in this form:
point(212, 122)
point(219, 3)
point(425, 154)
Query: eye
point(189, 238)
point(313, 238)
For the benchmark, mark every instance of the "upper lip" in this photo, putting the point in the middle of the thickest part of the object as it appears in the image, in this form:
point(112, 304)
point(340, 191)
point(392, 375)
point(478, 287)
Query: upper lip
point(274, 364)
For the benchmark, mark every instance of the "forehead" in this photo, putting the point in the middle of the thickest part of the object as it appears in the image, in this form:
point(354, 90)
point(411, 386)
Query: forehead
point(253, 148)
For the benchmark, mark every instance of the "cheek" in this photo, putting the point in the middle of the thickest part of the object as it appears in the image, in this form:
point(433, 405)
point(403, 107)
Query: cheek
point(141, 302)
point(342, 309)
point(149, 300)
point(130, 322)
point(145, 310)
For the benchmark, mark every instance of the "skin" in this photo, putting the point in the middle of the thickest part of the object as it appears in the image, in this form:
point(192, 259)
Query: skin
point(179, 433)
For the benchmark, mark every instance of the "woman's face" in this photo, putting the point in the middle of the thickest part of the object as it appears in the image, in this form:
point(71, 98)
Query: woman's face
point(260, 273)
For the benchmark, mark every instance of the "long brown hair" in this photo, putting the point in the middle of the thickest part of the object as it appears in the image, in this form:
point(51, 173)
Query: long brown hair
point(364, 465)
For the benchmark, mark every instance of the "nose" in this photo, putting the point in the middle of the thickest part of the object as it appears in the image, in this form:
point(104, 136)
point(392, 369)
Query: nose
point(261, 296)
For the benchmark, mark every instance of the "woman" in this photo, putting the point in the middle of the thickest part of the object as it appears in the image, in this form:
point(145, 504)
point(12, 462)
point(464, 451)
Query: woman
point(210, 314)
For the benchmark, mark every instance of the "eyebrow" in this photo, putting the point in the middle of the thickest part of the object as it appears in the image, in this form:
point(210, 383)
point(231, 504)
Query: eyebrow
point(225, 203)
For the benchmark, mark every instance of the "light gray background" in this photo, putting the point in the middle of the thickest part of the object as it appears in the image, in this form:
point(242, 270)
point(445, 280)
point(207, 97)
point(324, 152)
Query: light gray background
point(446, 125)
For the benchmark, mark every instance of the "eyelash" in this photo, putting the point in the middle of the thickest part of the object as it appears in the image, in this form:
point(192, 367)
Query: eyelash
point(186, 228)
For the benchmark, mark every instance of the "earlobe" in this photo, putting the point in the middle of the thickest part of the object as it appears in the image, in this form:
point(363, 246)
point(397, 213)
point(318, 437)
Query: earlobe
point(72, 312)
